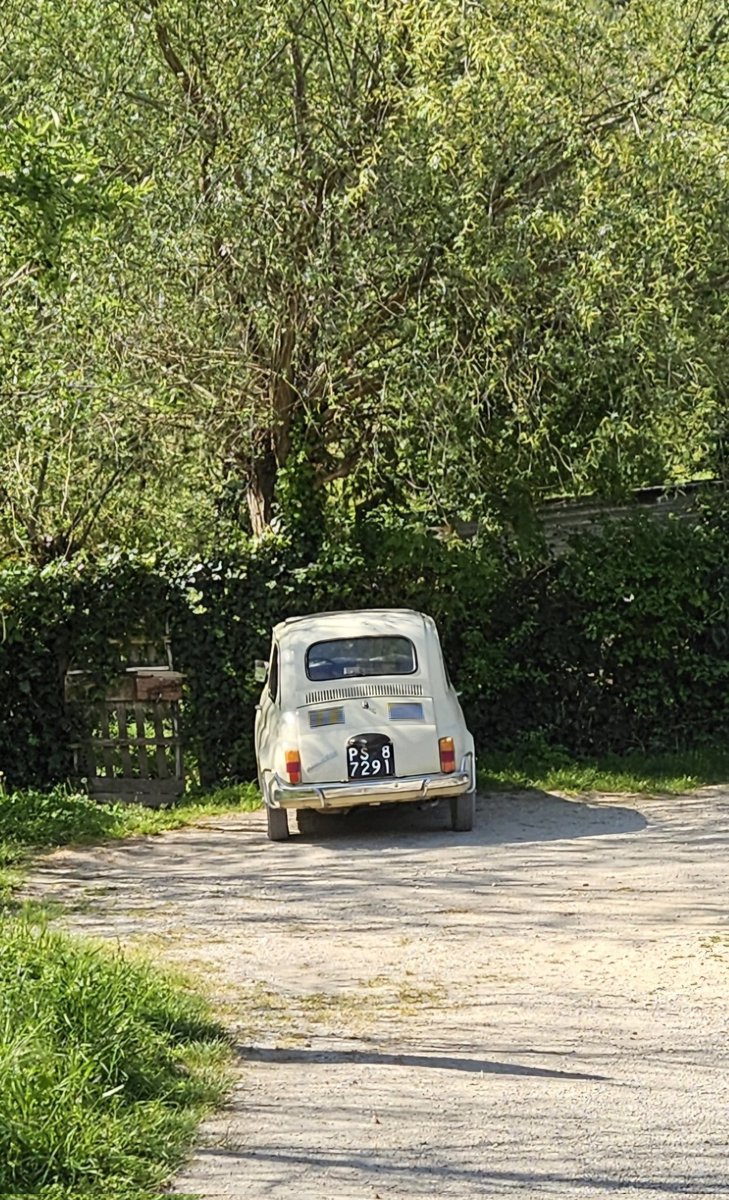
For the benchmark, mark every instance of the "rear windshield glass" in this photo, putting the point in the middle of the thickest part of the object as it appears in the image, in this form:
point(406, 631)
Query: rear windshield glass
point(351, 658)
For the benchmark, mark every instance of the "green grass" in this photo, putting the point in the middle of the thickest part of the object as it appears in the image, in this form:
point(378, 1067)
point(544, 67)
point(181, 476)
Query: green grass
point(552, 769)
point(33, 820)
point(106, 1066)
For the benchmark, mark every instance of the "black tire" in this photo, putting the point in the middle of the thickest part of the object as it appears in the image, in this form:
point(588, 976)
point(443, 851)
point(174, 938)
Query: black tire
point(277, 823)
point(463, 811)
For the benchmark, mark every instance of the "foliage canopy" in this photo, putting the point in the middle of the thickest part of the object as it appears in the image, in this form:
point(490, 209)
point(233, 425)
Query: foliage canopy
point(292, 258)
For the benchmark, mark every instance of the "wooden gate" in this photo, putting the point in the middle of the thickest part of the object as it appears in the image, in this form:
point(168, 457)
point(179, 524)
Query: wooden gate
point(131, 749)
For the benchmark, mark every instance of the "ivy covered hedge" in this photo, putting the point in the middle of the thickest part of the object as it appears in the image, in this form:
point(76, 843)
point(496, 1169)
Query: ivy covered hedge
point(623, 643)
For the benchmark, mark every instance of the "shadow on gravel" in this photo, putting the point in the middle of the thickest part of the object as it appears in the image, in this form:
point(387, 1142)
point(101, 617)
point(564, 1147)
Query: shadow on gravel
point(371, 865)
point(501, 817)
point(437, 1062)
point(384, 1171)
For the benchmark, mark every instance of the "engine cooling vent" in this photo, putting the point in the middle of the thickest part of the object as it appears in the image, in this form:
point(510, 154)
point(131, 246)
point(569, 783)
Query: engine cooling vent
point(355, 691)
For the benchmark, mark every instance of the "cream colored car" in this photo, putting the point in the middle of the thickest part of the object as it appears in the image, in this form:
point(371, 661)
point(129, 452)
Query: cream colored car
point(357, 708)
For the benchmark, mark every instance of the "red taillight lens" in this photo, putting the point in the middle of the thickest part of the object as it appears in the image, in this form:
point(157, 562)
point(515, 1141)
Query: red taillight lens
point(447, 755)
point(293, 766)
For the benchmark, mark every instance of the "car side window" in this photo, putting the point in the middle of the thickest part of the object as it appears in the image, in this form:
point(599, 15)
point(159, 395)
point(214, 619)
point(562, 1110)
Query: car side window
point(273, 675)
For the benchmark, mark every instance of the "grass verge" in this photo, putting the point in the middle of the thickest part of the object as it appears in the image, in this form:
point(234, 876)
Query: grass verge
point(106, 1066)
point(552, 769)
point(33, 820)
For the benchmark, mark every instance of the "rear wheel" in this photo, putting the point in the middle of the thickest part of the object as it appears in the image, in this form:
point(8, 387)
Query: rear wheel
point(277, 821)
point(463, 810)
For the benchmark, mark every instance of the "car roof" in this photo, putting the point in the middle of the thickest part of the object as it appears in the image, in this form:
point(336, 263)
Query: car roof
point(354, 623)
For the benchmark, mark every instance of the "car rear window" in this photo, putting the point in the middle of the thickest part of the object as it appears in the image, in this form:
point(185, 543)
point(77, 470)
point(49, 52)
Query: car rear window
point(353, 658)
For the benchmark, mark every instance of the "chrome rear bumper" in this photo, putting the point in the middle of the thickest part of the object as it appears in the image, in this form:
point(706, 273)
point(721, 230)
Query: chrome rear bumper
point(280, 794)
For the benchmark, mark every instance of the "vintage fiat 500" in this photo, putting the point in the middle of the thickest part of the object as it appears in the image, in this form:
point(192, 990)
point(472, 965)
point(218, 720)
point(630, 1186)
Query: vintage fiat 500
point(357, 708)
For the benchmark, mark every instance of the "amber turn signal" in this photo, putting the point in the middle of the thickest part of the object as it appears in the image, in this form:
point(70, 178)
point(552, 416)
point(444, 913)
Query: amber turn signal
point(447, 755)
point(293, 766)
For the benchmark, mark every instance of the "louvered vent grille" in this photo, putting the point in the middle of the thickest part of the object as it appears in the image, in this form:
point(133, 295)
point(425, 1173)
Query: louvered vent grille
point(355, 691)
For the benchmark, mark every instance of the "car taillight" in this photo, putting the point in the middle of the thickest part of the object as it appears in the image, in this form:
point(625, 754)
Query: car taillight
point(447, 755)
point(293, 766)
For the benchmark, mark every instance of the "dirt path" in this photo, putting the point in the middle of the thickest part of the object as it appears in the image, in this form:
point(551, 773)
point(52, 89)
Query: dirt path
point(535, 1009)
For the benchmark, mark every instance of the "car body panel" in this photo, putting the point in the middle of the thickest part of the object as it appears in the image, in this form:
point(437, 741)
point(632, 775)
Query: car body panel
point(323, 748)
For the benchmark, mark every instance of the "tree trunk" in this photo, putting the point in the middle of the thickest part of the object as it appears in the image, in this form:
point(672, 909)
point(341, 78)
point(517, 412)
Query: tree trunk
point(272, 445)
point(261, 490)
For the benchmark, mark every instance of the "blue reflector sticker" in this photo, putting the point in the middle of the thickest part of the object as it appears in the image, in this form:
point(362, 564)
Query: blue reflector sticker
point(406, 712)
point(326, 716)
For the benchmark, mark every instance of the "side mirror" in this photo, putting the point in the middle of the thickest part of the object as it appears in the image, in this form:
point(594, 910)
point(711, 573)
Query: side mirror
point(260, 670)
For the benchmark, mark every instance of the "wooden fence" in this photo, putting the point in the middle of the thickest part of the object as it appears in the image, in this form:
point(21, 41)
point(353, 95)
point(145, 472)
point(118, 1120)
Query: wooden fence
point(130, 748)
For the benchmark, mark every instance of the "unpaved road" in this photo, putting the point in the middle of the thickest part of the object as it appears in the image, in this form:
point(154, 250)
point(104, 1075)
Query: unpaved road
point(539, 1008)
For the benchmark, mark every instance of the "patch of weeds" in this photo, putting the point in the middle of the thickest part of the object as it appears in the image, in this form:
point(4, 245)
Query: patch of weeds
point(257, 1011)
point(324, 1006)
point(261, 998)
point(405, 998)
point(406, 995)
point(412, 999)
point(11, 859)
point(261, 1007)
point(717, 945)
point(39, 912)
point(377, 981)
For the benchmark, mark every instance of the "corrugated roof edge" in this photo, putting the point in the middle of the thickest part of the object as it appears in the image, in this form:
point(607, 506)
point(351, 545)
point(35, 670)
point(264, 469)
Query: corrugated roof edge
point(560, 515)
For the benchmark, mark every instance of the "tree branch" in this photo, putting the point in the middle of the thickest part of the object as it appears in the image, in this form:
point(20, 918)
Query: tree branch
point(23, 272)
point(301, 105)
point(394, 303)
point(341, 471)
point(188, 83)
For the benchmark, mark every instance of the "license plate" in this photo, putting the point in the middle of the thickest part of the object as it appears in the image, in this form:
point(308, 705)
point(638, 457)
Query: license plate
point(370, 757)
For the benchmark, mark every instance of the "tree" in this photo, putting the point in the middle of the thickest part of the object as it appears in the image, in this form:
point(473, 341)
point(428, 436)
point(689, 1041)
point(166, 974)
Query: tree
point(83, 454)
point(440, 251)
point(54, 200)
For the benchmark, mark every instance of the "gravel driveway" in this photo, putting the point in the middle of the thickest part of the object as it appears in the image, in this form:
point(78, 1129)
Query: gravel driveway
point(538, 1008)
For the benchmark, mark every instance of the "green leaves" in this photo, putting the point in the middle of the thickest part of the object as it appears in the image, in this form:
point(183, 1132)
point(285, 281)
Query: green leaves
point(53, 189)
point(269, 262)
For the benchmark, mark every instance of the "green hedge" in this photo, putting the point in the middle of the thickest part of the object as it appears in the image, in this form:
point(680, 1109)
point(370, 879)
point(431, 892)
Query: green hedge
point(623, 643)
